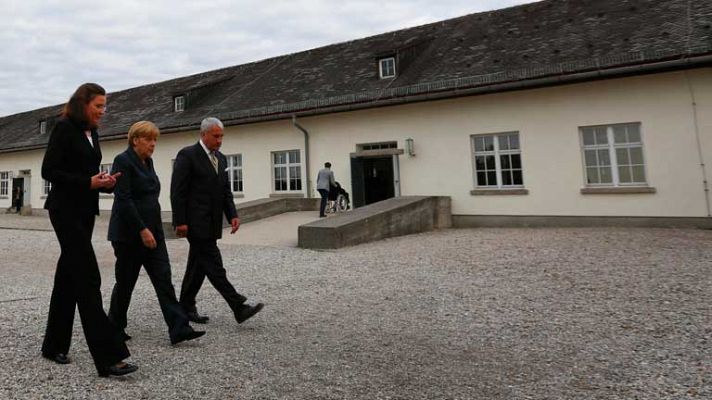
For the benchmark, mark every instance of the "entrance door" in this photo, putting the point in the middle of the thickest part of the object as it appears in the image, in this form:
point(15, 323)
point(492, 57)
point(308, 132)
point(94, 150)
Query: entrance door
point(18, 184)
point(378, 179)
point(372, 179)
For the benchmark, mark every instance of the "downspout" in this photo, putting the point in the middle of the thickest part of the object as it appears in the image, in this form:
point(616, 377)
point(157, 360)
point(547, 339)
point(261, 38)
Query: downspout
point(696, 125)
point(306, 153)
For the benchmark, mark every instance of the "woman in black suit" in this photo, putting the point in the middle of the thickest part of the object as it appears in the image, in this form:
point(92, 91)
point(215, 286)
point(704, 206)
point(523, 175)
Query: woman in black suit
point(71, 164)
point(136, 233)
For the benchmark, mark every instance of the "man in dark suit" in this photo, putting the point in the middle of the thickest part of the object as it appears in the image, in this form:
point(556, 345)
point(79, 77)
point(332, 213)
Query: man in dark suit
point(200, 195)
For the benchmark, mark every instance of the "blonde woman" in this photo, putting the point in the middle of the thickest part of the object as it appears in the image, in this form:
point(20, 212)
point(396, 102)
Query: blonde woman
point(136, 233)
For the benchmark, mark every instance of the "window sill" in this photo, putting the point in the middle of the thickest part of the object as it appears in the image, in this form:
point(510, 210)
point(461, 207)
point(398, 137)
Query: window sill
point(618, 190)
point(238, 195)
point(287, 195)
point(499, 192)
point(4, 197)
point(44, 196)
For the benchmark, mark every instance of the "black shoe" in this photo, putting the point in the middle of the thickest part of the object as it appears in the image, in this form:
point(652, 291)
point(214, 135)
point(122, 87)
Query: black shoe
point(189, 335)
point(59, 358)
point(117, 371)
point(247, 311)
point(193, 316)
point(125, 336)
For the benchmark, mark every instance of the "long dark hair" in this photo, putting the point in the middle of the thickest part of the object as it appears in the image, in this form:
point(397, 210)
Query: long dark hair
point(76, 106)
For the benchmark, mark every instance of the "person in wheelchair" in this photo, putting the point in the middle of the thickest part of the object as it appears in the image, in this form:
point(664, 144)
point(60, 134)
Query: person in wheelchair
point(338, 199)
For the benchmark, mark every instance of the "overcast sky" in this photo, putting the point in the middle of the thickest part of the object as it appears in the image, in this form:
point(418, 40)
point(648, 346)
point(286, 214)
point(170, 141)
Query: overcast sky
point(48, 48)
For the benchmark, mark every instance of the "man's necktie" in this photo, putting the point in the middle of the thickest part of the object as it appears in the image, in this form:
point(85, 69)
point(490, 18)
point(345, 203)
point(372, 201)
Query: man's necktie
point(214, 161)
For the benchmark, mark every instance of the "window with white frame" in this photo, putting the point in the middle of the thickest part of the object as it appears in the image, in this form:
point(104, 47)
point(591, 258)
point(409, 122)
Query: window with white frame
point(498, 160)
point(5, 183)
point(46, 187)
point(105, 168)
point(387, 67)
point(287, 171)
point(613, 155)
point(179, 103)
point(43, 127)
point(234, 172)
point(378, 146)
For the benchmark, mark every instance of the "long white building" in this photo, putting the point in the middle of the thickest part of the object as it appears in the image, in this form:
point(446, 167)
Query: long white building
point(551, 112)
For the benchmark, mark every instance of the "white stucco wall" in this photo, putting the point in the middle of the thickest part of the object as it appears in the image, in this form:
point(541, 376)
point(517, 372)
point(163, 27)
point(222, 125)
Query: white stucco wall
point(255, 142)
point(23, 161)
point(548, 122)
point(547, 119)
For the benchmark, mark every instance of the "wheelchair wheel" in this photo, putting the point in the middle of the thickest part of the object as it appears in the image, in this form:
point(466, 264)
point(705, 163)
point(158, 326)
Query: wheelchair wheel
point(341, 203)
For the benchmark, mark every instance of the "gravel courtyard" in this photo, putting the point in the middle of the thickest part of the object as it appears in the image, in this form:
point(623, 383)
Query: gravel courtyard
point(588, 313)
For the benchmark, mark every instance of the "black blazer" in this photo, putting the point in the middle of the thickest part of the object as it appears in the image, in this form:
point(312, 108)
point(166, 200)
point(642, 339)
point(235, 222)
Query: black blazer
point(136, 203)
point(199, 196)
point(69, 163)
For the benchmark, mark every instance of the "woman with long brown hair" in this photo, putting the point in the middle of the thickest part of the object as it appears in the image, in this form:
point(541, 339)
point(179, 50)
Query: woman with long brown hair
point(71, 164)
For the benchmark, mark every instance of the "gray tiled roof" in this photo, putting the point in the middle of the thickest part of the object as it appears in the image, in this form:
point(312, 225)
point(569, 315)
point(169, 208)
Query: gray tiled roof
point(546, 42)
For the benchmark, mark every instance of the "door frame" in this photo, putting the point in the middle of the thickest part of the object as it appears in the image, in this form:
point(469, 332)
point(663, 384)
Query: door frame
point(358, 194)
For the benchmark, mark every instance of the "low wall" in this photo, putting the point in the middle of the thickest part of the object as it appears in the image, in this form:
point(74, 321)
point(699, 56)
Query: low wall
point(256, 209)
point(262, 208)
point(393, 217)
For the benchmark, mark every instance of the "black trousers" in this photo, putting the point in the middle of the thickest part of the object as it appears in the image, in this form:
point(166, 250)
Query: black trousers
point(324, 197)
point(130, 256)
point(77, 282)
point(204, 260)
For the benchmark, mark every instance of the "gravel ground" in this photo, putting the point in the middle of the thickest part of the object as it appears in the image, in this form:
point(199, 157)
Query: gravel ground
point(589, 313)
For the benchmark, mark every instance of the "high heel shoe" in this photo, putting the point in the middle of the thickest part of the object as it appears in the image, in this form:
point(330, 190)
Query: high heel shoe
point(117, 370)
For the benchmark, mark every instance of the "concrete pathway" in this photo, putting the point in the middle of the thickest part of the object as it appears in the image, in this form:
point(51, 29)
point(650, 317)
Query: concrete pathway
point(29, 222)
point(277, 231)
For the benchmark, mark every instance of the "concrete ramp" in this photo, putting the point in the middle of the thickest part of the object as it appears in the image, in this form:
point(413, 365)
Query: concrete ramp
point(275, 231)
point(393, 217)
point(288, 222)
point(262, 208)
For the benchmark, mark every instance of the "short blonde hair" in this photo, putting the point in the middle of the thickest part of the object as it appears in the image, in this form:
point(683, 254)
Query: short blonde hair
point(143, 129)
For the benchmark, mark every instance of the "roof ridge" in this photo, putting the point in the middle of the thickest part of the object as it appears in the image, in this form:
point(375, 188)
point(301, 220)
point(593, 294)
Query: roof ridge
point(596, 63)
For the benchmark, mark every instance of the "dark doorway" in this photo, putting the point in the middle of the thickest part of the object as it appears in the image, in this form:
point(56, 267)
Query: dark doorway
point(18, 186)
point(372, 179)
